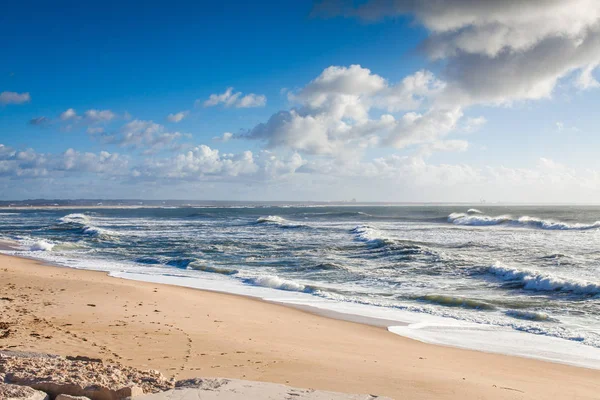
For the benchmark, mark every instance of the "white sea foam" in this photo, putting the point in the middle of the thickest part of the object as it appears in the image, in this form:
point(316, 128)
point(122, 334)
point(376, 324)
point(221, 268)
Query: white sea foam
point(365, 233)
point(279, 221)
point(75, 219)
point(474, 211)
point(41, 245)
point(275, 282)
point(477, 220)
point(84, 221)
point(535, 280)
point(524, 221)
point(273, 219)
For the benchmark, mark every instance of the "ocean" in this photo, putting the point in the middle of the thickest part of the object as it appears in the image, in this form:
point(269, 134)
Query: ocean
point(519, 280)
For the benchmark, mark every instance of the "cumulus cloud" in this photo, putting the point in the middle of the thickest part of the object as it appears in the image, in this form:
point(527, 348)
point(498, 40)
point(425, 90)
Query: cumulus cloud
point(14, 98)
point(497, 52)
point(252, 100)
point(178, 117)
point(94, 116)
point(69, 118)
point(141, 134)
point(31, 164)
point(237, 99)
point(395, 177)
point(349, 108)
point(68, 115)
point(199, 162)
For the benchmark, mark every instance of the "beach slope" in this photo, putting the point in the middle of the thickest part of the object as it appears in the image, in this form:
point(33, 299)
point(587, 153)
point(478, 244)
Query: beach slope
point(190, 333)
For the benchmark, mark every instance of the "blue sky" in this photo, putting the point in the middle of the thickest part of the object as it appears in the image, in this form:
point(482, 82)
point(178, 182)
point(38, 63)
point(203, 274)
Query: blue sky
point(446, 101)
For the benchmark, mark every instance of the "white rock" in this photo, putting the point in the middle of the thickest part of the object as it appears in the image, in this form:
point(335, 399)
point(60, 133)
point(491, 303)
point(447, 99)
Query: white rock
point(16, 392)
point(69, 397)
point(234, 389)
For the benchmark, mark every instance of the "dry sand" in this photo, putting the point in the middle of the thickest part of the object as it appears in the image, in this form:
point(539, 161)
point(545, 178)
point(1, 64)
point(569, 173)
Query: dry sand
point(189, 333)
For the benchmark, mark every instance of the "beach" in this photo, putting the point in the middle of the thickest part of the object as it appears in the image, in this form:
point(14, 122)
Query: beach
point(185, 332)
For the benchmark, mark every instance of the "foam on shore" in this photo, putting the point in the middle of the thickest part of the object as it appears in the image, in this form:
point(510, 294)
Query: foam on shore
point(419, 326)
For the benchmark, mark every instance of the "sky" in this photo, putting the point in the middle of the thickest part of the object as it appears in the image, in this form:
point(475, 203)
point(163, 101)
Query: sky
point(377, 100)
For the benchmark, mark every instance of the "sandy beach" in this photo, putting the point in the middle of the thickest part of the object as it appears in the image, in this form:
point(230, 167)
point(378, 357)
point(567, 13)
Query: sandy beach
point(189, 333)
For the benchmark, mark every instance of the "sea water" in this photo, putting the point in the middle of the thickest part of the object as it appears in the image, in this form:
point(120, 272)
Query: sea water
point(516, 280)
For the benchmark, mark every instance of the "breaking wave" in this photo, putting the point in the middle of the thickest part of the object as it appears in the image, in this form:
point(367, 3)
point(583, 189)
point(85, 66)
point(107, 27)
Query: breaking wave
point(41, 245)
point(525, 221)
point(278, 221)
point(83, 223)
point(371, 236)
point(376, 239)
point(538, 281)
point(275, 282)
point(474, 211)
point(75, 219)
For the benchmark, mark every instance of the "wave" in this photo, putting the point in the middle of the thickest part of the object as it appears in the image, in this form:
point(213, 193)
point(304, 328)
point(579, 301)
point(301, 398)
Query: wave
point(82, 222)
point(376, 238)
point(324, 266)
point(148, 260)
point(275, 282)
point(456, 301)
point(371, 236)
point(198, 266)
point(341, 214)
point(180, 262)
point(538, 281)
point(529, 315)
point(75, 219)
point(41, 245)
point(524, 221)
point(272, 219)
point(474, 211)
point(279, 221)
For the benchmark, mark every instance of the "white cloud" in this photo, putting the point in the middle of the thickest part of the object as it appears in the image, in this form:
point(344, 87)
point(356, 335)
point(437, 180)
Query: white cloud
point(586, 79)
point(395, 177)
point(473, 124)
point(94, 116)
point(231, 99)
point(336, 113)
point(14, 98)
point(415, 128)
point(498, 52)
point(252, 100)
point(227, 136)
point(197, 163)
point(178, 117)
point(146, 135)
point(68, 115)
point(31, 164)
point(89, 117)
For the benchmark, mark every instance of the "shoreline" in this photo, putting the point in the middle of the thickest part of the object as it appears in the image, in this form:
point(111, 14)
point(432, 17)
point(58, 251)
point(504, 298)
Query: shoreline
point(407, 324)
point(217, 334)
